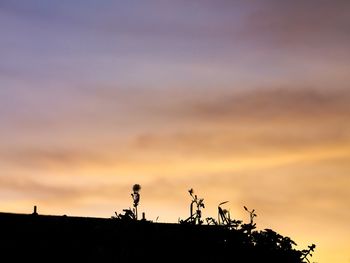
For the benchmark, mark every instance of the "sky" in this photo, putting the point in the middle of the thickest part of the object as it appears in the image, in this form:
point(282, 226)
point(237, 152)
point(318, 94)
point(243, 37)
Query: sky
point(246, 101)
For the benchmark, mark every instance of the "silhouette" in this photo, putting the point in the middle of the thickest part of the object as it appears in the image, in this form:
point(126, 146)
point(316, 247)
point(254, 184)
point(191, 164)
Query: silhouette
point(224, 218)
point(128, 213)
point(136, 197)
point(195, 217)
point(35, 212)
point(307, 252)
point(123, 238)
point(249, 227)
point(223, 214)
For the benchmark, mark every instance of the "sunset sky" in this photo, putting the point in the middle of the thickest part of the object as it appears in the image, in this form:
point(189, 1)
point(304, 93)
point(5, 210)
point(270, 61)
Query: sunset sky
point(246, 101)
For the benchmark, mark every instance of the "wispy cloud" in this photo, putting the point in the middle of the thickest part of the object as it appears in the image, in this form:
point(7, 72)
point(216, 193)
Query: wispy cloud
point(273, 104)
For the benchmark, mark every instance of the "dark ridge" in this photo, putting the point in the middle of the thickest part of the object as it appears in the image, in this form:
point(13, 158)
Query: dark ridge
point(45, 238)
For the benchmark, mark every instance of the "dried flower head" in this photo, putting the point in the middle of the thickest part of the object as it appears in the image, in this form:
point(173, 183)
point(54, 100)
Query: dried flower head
point(136, 188)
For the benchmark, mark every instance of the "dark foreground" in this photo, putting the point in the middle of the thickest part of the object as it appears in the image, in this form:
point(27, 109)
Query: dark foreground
point(38, 238)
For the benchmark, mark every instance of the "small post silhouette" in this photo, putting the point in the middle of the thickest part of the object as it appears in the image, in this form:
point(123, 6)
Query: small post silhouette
point(35, 211)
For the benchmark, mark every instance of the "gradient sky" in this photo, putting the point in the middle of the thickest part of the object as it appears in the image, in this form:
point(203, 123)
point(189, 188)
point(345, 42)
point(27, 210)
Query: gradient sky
point(247, 101)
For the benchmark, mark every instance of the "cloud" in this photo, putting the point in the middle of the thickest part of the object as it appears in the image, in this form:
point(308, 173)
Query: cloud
point(52, 158)
point(258, 120)
point(33, 188)
point(299, 23)
point(230, 125)
point(273, 104)
point(280, 103)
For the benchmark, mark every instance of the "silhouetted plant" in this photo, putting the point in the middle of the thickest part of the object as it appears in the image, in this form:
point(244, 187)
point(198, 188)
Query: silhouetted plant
point(274, 244)
point(128, 215)
point(307, 252)
point(286, 243)
point(136, 197)
point(249, 227)
point(211, 221)
point(131, 214)
point(249, 245)
point(195, 217)
point(251, 213)
point(224, 218)
point(223, 214)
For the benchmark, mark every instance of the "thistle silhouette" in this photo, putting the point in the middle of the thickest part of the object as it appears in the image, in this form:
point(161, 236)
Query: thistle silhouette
point(131, 214)
point(136, 198)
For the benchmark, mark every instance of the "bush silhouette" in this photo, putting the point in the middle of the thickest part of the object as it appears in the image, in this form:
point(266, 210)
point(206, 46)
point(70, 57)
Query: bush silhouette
point(226, 238)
